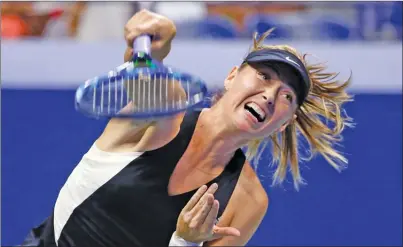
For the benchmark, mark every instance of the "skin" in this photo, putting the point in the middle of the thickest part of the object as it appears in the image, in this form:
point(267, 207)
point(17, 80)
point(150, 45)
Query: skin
point(220, 130)
point(229, 127)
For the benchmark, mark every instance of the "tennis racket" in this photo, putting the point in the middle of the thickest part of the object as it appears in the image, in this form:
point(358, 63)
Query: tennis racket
point(142, 88)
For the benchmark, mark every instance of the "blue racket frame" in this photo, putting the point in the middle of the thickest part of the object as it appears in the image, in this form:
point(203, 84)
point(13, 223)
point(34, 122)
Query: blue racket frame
point(134, 69)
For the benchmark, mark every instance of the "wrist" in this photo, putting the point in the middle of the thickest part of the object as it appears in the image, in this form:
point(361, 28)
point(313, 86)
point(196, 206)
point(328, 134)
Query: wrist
point(178, 241)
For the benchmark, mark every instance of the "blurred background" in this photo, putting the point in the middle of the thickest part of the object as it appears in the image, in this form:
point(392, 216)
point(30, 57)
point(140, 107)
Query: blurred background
point(49, 48)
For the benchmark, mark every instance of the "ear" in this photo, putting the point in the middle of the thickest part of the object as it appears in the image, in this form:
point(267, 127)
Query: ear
point(230, 78)
point(282, 128)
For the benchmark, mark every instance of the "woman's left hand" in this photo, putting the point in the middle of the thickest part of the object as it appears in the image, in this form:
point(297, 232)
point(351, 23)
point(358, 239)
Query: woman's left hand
point(196, 223)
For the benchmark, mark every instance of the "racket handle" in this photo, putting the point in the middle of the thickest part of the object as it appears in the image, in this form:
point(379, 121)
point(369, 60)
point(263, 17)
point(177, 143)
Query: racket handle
point(142, 44)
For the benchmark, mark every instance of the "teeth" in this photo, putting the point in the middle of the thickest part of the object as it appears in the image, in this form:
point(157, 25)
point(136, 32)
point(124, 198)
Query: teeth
point(257, 109)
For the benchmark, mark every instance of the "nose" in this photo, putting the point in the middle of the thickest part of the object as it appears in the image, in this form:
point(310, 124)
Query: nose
point(270, 93)
point(268, 99)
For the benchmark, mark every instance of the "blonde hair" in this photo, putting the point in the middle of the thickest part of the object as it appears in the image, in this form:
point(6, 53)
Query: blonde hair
point(322, 105)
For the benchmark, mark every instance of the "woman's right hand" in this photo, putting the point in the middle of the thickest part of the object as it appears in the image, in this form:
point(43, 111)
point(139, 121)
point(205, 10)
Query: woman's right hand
point(196, 222)
point(146, 22)
point(127, 134)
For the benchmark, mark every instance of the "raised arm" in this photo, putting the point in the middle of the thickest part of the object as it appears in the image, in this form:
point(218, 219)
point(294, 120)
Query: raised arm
point(128, 135)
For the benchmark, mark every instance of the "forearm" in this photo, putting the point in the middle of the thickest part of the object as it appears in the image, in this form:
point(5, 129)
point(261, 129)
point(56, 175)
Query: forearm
point(130, 134)
point(227, 241)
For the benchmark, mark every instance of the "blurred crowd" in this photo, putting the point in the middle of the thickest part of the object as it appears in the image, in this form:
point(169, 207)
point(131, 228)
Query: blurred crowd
point(92, 21)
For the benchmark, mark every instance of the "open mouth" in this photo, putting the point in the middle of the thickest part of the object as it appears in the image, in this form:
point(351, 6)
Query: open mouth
point(256, 111)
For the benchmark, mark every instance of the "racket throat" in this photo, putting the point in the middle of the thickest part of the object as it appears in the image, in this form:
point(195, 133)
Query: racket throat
point(142, 59)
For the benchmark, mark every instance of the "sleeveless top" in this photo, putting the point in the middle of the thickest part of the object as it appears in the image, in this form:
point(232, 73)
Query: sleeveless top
point(121, 199)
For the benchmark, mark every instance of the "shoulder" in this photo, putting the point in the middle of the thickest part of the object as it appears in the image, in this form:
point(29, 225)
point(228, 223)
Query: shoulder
point(249, 198)
point(250, 190)
point(250, 203)
point(246, 209)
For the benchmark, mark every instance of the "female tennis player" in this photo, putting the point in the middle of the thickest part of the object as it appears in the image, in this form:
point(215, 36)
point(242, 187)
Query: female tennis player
point(183, 180)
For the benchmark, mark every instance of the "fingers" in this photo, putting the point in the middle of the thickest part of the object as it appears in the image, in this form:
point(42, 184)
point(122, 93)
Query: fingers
point(147, 26)
point(138, 24)
point(146, 22)
point(200, 216)
point(195, 198)
point(197, 202)
point(212, 215)
point(211, 190)
point(220, 232)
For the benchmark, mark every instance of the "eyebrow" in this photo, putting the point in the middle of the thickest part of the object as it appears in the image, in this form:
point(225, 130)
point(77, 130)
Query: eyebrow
point(269, 68)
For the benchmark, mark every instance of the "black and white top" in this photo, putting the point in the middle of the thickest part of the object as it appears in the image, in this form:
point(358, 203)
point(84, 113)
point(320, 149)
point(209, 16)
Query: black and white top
point(121, 199)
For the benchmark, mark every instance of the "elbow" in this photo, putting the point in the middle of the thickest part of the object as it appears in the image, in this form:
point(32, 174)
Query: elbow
point(264, 205)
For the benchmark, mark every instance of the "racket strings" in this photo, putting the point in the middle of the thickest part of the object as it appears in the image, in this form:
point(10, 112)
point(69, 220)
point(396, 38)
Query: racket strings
point(144, 92)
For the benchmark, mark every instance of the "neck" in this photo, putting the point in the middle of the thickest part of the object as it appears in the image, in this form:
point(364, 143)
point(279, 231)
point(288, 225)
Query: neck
point(214, 139)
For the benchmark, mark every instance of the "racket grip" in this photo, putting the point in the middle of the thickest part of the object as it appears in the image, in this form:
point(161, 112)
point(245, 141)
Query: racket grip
point(142, 44)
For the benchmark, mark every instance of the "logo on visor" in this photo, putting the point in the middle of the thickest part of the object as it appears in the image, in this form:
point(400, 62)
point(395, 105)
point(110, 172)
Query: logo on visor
point(292, 61)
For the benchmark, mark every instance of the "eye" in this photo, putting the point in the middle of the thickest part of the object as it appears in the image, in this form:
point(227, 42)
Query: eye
point(263, 76)
point(288, 97)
